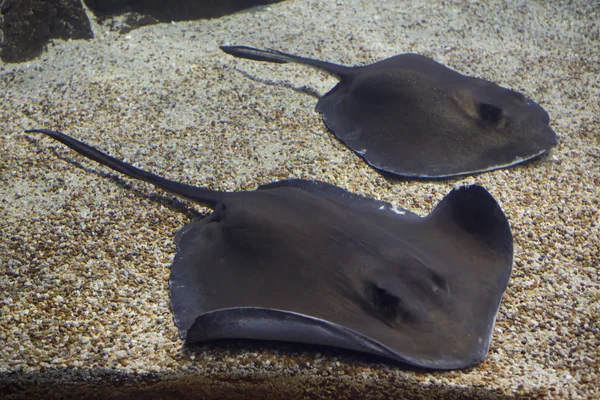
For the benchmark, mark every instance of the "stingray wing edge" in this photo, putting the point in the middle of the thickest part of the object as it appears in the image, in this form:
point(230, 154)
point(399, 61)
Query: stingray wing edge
point(286, 326)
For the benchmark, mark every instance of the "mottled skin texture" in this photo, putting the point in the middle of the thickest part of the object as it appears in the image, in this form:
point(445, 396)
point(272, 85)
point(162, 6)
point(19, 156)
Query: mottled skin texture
point(411, 116)
point(307, 261)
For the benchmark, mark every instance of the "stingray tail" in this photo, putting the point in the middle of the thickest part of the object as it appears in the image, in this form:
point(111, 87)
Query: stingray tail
point(201, 195)
point(339, 71)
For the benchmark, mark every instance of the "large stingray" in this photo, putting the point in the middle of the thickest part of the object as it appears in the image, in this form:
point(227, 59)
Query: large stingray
point(411, 116)
point(307, 261)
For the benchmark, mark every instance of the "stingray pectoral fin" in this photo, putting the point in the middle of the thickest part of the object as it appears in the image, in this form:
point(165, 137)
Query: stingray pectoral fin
point(473, 246)
point(274, 56)
point(440, 288)
point(188, 296)
point(199, 194)
point(279, 325)
point(473, 211)
point(355, 201)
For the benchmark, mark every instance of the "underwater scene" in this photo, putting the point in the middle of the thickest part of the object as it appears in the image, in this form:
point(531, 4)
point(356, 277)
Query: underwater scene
point(299, 199)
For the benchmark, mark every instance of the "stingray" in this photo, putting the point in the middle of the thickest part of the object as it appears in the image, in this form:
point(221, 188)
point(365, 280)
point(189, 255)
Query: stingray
point(411, 116)
point(306, 261)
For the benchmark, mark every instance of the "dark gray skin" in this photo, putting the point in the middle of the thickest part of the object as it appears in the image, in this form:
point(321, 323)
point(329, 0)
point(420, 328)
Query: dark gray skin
point(411, 116)
point(307, 261)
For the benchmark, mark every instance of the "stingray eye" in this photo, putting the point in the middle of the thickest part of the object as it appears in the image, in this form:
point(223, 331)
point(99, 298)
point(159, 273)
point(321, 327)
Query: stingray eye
point(391, 307)
point(386, 302)
point(489, 112)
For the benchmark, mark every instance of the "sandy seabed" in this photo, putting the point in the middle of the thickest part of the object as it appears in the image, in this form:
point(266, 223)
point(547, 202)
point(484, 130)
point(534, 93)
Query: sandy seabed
point(84, 257)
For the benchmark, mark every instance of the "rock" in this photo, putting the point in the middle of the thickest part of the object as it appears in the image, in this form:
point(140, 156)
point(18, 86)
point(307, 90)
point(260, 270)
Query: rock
point(173, 10)
point(26, 26)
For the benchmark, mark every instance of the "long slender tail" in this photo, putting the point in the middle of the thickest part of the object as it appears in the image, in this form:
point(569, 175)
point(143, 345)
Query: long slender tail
point(200, 195)
point(339, 71)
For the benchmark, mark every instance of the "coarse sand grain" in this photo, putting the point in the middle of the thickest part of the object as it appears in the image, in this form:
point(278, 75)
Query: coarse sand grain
point(85, 256)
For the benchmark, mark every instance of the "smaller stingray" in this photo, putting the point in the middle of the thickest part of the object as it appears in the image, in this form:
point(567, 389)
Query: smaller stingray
point(306, 261)
point(411, 116)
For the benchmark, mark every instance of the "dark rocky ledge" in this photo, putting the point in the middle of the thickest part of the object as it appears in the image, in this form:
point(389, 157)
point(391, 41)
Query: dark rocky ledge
point(26, 26)
point(172, 10)
point(247, 385)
